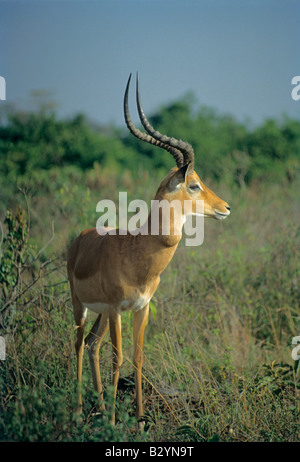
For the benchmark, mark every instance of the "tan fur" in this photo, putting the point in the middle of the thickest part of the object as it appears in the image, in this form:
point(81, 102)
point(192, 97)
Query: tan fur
point(113, 273)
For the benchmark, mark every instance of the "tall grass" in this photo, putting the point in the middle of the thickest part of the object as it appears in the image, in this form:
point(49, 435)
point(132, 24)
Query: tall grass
point(217, 362)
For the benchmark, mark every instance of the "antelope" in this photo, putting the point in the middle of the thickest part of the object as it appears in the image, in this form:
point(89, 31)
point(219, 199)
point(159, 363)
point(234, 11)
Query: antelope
point(116, 272)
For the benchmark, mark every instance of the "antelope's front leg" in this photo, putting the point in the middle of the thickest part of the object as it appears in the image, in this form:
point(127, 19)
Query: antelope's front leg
point(116, 339)
point(139, 323)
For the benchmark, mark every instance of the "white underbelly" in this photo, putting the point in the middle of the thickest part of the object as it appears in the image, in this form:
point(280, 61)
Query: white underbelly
point(134, 304)
point(97, 307)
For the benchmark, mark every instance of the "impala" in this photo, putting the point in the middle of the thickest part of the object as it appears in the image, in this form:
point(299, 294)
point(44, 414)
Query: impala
point(116, 272)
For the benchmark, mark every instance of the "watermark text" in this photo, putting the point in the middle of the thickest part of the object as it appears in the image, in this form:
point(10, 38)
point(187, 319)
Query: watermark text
point(2, 88)
point(2, 348)
point(296, 90)
point(296, 349)
point(166, 218)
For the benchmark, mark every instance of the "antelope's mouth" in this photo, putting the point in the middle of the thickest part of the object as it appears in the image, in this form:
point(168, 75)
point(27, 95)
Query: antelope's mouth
point(221, 215)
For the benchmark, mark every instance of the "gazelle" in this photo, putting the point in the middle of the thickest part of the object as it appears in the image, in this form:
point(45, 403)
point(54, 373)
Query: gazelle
point(112, 273)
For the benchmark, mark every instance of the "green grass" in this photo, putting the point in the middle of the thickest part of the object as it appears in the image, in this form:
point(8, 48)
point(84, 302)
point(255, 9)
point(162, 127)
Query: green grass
point(217, 362)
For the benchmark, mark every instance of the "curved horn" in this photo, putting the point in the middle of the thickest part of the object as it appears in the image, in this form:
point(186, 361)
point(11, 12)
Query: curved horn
point(185, 148)
point(176, 153)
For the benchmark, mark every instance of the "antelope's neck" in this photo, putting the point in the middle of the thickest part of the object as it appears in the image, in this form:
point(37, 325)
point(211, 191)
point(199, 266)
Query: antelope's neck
point(158, 239)
point(157, 242)
point(164, 223)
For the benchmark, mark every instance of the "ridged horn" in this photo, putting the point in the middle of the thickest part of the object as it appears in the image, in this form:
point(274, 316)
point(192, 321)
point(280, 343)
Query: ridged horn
point(182, 146)
point(148, 138)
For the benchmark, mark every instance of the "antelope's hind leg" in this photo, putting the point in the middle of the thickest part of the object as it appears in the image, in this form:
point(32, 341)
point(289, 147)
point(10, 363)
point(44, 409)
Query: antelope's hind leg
point(80, 317)
point(93, 342)
point(139, 323)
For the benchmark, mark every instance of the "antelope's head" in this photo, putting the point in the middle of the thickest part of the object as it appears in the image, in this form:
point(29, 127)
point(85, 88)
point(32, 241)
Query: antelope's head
point(182, 182)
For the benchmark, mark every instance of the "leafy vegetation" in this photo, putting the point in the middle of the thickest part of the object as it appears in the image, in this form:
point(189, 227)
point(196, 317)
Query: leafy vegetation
point(218, 345)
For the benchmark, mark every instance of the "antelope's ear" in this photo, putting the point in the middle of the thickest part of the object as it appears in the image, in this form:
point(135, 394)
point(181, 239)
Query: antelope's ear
point(178, 178)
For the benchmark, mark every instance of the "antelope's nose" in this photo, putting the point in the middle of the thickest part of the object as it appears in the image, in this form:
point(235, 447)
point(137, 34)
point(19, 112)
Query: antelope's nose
point(227, 207)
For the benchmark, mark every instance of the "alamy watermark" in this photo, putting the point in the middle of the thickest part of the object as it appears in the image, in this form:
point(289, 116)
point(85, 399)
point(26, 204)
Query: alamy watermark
point(2, 88)
point(296, 349)
point(166, 218)
point(296, 90)
point(2, 348)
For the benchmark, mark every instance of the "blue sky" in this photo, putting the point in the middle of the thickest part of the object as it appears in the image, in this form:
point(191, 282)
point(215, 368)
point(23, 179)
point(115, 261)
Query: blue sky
point(237, 56)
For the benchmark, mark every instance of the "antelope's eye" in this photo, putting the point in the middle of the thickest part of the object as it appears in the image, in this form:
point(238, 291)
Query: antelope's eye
point(195, 187)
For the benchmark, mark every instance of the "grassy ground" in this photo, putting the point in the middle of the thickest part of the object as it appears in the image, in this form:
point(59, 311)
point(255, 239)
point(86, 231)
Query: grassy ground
point(217, 362)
